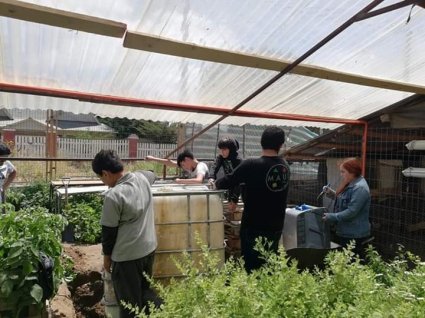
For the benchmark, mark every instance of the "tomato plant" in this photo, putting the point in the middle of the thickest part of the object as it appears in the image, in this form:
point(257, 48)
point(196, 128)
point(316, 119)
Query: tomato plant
point(83, 213)
point(85, 221)
point(23, 235)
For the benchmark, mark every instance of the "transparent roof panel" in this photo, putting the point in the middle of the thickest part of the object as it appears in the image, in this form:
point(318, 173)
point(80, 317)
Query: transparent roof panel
point(384, 47)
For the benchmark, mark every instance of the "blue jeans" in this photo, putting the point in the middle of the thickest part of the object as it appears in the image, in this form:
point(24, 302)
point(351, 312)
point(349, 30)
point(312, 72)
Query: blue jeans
point(253, 259)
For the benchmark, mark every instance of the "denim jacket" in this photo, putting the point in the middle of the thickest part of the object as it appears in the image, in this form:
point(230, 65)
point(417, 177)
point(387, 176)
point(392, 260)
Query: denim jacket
point(351, 210)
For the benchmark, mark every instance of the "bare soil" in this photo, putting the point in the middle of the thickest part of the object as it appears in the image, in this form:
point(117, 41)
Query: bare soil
point(82, 297)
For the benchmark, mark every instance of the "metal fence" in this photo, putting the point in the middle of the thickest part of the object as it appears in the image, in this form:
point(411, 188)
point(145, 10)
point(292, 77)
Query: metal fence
point(397, 211)
point(35, 146)
point(205, 146)
point(398, 201)
point(248, 136)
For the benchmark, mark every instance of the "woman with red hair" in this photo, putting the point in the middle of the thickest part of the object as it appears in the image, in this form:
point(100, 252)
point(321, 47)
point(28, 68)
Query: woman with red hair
point(351, 210)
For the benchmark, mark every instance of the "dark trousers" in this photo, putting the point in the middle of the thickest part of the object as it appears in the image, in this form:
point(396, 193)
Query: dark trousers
point(359, 247)
point(252, 258)
point(131, 286)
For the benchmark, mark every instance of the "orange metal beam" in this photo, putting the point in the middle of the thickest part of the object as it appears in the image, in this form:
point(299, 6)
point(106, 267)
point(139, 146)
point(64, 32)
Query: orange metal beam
point(364, 147)
point(143, 103)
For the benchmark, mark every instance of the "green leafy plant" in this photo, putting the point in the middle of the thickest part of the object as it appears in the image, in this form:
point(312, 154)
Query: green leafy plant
point(344, 288)
point(35, 194)
point(95, 201)
point(84, 217)
point(23, 235)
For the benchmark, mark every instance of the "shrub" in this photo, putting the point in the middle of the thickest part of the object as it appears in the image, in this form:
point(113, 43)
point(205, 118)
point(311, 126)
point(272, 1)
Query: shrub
point(34, 194)
point(85, 221)
point(83, 214)
point(23, 235)
point(344, 288)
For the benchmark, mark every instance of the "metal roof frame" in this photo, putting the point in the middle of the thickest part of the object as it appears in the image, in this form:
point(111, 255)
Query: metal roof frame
point(55, 17)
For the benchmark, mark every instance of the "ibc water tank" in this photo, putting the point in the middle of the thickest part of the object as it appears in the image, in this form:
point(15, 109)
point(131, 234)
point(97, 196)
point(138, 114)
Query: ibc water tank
point(182, 213)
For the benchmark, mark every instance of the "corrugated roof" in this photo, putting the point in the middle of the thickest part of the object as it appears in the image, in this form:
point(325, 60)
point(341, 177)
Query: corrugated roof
point(383, 47)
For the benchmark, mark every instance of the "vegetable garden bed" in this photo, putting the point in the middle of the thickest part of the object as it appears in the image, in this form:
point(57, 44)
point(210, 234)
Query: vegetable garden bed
point(342, 288)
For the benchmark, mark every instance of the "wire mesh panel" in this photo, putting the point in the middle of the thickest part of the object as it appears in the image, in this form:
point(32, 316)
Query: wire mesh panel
point(305, 183)
point(395, 174)
point(248, 136)
point(398, 204)
point(395, 178)
point(30, 146)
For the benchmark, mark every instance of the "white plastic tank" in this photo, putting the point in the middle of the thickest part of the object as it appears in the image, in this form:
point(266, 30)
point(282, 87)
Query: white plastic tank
point(181, 214)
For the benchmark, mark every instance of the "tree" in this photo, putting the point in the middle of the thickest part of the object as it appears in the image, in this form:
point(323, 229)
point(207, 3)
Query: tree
point(160, 132)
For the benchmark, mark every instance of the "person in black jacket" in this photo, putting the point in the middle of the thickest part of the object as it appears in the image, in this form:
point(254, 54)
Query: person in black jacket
point(228, 159)
point(266, 181)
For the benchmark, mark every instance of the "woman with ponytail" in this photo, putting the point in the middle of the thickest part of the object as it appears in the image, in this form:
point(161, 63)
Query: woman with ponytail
point(228, 159)
point(351, 209)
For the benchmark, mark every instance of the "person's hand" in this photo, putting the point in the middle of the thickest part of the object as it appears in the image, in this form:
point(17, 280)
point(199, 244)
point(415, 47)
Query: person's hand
point(232, 206)
point(107, 263)
point(326, 189)
point(330, 218)
point(211, 184)
point(149, 158)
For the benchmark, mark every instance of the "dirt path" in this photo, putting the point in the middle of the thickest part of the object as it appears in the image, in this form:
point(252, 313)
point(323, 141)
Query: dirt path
point(82, 297)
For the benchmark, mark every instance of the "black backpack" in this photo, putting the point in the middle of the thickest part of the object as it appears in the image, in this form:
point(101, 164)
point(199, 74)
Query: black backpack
point(45, 275)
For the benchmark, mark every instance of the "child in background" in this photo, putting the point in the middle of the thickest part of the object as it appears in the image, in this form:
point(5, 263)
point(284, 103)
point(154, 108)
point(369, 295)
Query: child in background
point(228, 159)
point(7, 171)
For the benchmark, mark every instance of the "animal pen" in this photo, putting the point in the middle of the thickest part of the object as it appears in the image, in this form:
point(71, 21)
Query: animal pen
point(394, 170)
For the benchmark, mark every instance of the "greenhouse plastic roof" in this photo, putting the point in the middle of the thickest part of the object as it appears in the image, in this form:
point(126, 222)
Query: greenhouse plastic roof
point(385, 47)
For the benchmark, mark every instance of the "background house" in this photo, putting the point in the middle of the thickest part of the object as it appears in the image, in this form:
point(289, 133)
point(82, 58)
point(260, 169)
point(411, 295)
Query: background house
point(34, 122)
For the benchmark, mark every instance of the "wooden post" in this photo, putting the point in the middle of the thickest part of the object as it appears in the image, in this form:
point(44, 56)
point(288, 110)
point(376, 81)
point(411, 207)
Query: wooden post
point(51, 144)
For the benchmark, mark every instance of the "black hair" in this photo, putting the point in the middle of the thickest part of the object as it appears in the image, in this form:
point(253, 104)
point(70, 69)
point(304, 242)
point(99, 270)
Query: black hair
point(4, 149)
point(182, 156)
point(231, 144)
point(107, 160)
point(273, 137)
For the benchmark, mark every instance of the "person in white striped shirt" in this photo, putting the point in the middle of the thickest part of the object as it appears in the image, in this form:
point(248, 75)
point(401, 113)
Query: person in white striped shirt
point(7, 171)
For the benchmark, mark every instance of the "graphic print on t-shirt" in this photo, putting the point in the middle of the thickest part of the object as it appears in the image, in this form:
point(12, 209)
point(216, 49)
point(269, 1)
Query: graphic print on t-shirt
point(227, 166)
point(277, 178)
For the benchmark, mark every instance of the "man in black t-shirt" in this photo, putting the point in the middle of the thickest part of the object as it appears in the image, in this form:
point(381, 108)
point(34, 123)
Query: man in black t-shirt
point(265, 192)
